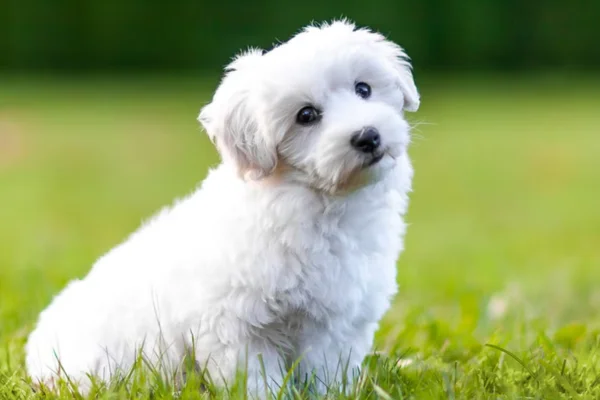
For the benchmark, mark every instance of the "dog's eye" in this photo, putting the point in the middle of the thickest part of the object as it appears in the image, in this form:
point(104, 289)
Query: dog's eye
point(307, 115)
point(363, 90)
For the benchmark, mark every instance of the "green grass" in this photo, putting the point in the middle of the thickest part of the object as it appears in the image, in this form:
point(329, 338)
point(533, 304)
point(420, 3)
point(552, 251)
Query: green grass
point(503, 246)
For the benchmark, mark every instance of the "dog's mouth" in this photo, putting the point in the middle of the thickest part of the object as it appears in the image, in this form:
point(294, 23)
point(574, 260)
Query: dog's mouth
point(375, 158)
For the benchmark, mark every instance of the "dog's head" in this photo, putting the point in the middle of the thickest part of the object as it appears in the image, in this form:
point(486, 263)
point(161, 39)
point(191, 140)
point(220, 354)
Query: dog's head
point(326, 108)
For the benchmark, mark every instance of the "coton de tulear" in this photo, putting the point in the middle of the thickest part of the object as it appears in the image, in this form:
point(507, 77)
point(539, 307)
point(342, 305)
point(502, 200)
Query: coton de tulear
point(287, 250)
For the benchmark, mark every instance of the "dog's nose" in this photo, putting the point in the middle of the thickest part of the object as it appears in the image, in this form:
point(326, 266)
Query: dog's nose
point(366, 140)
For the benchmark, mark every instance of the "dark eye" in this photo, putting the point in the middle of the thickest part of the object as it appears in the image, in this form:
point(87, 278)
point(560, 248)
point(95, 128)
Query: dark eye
point(363, 90)
point(307, 115)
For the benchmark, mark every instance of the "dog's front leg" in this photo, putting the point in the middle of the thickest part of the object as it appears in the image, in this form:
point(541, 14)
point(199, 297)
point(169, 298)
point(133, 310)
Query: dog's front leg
point(259, 364)
point(331, 354)
point(265, 371)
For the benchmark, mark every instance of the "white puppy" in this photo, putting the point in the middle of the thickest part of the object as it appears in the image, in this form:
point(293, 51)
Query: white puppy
point(287, 250)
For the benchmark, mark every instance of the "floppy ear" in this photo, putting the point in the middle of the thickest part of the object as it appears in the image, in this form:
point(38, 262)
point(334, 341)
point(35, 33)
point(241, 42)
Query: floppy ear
point(407, 85)
point(231, 121)
point(401, 64)
point(405, 81)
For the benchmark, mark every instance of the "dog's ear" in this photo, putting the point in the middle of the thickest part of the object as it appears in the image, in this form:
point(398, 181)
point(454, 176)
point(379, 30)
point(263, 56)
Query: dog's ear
point(406, 83)
point(401, 64)
point(232, 123)
point(412, 99)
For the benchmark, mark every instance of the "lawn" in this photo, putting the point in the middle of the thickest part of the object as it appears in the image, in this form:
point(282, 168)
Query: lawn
point(500, 281)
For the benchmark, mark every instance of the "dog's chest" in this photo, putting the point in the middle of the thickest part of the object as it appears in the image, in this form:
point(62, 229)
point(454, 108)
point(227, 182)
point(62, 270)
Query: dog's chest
point(346, 264)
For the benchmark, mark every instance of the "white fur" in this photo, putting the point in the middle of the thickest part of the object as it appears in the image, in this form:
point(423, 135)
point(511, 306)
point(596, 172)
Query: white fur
point(288, 249)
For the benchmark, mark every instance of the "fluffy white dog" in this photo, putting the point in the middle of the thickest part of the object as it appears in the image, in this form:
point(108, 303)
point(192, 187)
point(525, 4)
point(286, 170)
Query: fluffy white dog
point(287, 250)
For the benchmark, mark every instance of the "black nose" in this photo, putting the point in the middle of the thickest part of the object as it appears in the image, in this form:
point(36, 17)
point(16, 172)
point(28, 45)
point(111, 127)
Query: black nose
point(366, 140)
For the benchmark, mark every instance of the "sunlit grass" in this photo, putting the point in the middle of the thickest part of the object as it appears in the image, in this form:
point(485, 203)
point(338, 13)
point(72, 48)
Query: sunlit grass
point(503, 246)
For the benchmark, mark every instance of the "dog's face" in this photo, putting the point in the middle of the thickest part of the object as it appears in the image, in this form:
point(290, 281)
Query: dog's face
point(325, 108)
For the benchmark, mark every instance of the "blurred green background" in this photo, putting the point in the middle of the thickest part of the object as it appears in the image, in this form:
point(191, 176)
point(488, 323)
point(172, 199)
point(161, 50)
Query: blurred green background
point(98, 101)
point(75, 35)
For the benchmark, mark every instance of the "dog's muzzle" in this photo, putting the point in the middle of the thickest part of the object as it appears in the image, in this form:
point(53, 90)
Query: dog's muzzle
point(375, 159)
